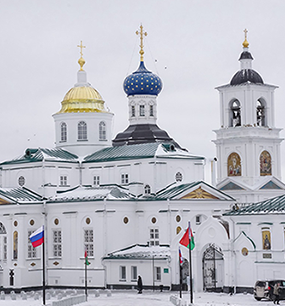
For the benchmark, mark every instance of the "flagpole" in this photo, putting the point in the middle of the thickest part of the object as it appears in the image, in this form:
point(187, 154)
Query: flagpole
point(86, 279)
point(44, 273)
point(180, 277)
point(190, 265)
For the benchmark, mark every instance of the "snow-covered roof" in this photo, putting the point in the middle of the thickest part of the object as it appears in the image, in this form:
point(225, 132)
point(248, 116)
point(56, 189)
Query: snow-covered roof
point(40, 154)
point(274, 205)
point(82, 193)
point(178, 190)
point(138, 151)
point(20, 195)
point(138, 251)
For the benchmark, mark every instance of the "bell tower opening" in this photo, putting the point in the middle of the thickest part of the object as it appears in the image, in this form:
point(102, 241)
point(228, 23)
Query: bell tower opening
point(260, 113)
point(235, 113)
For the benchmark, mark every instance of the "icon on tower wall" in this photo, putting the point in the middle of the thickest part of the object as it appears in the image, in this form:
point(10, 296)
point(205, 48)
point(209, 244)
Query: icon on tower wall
point(265, 164)
point(234, 165)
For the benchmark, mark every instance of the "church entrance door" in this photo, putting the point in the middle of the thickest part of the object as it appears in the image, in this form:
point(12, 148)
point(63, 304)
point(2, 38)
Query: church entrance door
point(213, 269)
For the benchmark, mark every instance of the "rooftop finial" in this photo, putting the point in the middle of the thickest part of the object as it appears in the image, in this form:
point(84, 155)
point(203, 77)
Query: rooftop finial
point(141, 33)
point(245, 43)
point(81, 61)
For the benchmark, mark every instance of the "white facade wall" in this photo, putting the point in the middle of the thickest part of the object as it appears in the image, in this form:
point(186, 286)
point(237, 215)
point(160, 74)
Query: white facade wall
point(93, 143)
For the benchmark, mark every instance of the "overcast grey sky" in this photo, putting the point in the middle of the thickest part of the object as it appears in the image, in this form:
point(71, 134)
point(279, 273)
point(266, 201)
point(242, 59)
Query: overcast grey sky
point(193, 46)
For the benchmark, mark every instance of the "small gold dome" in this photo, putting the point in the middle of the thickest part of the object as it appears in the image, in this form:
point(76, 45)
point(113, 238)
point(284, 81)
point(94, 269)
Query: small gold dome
point(245, 43)
point(82, 99)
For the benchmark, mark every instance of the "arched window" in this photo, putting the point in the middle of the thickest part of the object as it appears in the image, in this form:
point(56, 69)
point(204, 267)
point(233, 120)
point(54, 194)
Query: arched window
point(151, 113)
point(265, 163)
point(260, 113)
point(63, 132)
point(178, 230)
point(147, 189)
point(102, 130)
point(266, 238)
point(178, 177)
point(133, 111)
point(15, 245)
point(142, 111)
point(234, 165)
point(3, 242)
point(235, 114)
point(82, 130)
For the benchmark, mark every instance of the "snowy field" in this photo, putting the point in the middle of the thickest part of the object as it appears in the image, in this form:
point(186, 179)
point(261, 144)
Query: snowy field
point(149, 298)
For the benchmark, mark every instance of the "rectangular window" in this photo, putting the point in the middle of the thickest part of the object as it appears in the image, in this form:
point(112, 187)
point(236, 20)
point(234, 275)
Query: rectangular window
point(5, 248)
point(154, 236)
point(89, 242)
point(124, 178)
point(96, 180)
point(57, 252)
point(198, 219)
point(32, 252)
point(123, 276)
point(134, 271)
point(151, 110)
point(63, 180)
point(142, 111)
point(157, 273)
point(133, 111)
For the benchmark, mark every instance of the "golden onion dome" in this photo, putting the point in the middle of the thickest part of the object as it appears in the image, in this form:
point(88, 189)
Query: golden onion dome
point(82, 99)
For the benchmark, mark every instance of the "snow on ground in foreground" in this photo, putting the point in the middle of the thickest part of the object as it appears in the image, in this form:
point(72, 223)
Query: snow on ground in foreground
point(150, 298)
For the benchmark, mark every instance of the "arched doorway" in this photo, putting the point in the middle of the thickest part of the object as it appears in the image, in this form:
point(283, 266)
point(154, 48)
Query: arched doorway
point(213, 269)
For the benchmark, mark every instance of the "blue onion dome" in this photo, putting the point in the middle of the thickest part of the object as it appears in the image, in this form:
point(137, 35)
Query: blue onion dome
point(142, 82)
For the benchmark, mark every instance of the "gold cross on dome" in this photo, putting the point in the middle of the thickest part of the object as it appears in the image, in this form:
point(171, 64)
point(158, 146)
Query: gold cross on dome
point(141, 33)
point(81, 47)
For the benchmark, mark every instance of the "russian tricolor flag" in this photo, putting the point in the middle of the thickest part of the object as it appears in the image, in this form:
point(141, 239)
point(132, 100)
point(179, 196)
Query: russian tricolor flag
point(37, 237)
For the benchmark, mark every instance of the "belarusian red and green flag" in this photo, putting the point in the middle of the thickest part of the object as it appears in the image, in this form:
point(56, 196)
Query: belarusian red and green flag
point(86, 258)
point(188, 239)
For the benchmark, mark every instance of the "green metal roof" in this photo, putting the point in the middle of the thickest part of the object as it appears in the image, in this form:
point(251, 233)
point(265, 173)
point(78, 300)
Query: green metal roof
point(124, 152)
point(20, 195)
point(271, 206)
point(144, 150)
point(40, 154)
point(176, 189)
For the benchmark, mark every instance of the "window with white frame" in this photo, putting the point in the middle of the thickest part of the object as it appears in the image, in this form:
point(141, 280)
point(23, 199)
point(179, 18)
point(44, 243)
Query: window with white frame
point(56, 243)
point(147, 189)
point(123, 274)
point(157, 273)
point(124, 178)
point(133, 111)
point(89, 242)
point(63, 180)
point(102, 131)
point(151, 111)
point(82, 130)
point(96, 180)
point(142, 111)
point(134, 273)
point(63, 132)
point(32, 252)
point(154, 236)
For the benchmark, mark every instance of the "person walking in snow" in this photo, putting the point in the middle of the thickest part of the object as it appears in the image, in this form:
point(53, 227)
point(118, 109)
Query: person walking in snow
point(276, 293)
point(140, 284)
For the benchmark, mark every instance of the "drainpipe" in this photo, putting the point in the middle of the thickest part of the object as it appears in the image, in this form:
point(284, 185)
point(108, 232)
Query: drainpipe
point(234, 257)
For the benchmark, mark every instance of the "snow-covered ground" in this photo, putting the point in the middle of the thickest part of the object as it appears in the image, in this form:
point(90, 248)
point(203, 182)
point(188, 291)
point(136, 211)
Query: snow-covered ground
point(149, 298)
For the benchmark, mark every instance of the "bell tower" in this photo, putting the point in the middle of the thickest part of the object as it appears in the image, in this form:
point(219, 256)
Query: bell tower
point(247, 142)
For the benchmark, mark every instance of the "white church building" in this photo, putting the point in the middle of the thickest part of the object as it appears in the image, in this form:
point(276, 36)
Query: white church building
point(127, 200)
